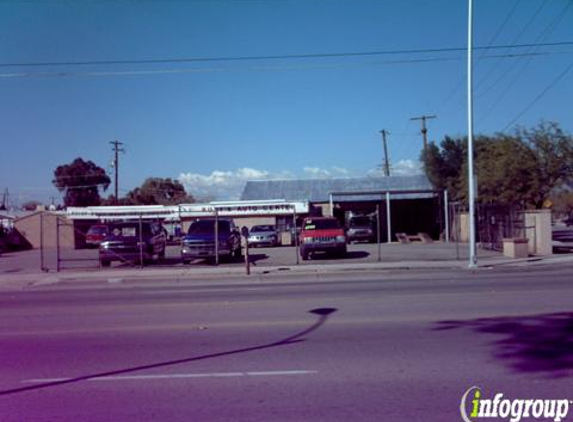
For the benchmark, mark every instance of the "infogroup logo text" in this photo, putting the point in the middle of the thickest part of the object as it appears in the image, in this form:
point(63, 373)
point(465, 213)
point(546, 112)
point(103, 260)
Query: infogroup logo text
point(473, 407)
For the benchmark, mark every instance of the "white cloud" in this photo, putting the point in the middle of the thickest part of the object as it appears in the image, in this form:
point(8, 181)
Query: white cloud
point(407, 168)
point(401, 168)
point(223, 185)
point(229, 185)
point(320, 173)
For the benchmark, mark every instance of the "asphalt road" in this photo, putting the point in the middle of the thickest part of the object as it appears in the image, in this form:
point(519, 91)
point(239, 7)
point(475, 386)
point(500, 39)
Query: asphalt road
point(383, 347)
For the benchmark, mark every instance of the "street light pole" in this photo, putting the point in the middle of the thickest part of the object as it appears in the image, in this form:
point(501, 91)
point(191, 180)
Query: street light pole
point(471, 182)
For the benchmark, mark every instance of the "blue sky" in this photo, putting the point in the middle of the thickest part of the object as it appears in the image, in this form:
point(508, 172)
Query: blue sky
point(214, 124)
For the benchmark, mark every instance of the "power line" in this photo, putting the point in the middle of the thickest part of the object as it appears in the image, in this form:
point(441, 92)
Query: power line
point(540, 37)
point(540, 95)
point(277, 57)
point(251, 69)
point(554, 23)
point(492, 40)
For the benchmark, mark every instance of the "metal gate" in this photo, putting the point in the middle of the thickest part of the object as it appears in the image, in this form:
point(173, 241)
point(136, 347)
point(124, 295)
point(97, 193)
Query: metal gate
point(496, 222)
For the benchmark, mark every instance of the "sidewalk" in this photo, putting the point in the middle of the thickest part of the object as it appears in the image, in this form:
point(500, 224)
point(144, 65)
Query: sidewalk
point(22, 269)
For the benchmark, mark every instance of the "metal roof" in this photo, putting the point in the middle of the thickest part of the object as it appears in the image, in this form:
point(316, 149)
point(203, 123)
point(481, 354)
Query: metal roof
point(319, 190)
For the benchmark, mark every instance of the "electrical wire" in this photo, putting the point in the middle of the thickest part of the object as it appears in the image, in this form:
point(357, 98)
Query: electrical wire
point(540, 37)
point(539, 96)
point(276, 57)
point(550, 28)
point(252, 68)
point(492, 40)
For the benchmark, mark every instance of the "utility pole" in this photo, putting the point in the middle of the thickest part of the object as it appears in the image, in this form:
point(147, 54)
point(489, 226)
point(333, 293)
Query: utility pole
point(471, 175)
point(386, 159)
point(116, 150)
point(5, 200)
point(424, 128)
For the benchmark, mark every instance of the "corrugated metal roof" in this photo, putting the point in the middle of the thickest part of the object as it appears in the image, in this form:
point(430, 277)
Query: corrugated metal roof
point(319, 190)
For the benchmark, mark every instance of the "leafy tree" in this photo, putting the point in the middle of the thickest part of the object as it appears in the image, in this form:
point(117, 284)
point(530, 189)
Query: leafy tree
point(159, 191)
point(553, 151)
point(443, 165)
point(523, 168)
point(80, 180)
point(504, 169)
point(562, 202)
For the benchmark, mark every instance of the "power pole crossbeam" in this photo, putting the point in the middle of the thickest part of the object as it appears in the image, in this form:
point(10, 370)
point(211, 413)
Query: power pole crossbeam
point(424, 129)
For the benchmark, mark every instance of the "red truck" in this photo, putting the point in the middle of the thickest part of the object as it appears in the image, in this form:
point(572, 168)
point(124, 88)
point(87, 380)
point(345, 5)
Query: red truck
point(322, 234)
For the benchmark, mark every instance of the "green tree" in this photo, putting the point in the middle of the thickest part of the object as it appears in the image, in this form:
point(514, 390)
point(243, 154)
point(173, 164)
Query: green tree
point(81, 181)
point(443, 165)
point(523, 168)
point(159, 191)
point(505, 169)
point(553, 151)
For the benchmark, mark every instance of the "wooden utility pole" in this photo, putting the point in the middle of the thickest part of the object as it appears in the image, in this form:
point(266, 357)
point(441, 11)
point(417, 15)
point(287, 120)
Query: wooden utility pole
point(117, 150)
point(424, 129)
point(386, 159)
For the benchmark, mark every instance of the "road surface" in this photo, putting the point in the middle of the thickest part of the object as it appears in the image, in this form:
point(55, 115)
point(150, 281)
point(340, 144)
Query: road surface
point(401, 346)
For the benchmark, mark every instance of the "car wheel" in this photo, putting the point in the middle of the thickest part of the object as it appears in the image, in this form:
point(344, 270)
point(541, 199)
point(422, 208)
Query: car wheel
point(305, 256)
point(104, 263)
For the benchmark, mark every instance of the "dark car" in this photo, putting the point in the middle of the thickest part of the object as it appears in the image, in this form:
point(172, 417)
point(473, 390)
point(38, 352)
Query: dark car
point(322, 234)
point(360, 229)
point(132, 242)
point(200, 240)
point(96, 234)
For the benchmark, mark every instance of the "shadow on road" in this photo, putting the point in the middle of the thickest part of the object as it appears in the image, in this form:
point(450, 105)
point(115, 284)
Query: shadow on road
point(534, 344)
point(322, 313)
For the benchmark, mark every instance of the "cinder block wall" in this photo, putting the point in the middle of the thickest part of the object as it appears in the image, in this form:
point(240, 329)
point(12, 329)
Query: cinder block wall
point(44, 223)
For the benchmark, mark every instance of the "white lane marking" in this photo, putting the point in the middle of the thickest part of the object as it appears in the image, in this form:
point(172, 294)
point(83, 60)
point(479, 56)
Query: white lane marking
point(176, 376)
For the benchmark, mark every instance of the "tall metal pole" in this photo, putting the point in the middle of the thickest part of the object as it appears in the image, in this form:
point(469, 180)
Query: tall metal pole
point(386, 159)
point(388, 219)
point(42, 241)
point(378, 232)
point(471, 184)
point(216, 236)
point(140, 241)
point(57, 244)
point(296, 246)
point(447, 216)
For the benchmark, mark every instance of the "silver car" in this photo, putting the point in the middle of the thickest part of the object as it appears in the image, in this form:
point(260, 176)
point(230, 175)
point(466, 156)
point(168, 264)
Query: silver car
point(264, 235)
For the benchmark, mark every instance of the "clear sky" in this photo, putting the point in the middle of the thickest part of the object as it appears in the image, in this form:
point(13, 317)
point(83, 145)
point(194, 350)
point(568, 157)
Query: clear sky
point(215, 123)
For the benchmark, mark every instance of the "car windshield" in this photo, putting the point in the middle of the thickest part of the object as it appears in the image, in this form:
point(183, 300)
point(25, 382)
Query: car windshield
point(129, 229)
point(208, 227)
point(321, 224)
point(263, 229)
point(360, 222)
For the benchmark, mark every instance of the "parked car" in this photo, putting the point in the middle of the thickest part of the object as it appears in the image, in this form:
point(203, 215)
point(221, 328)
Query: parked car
point(200, 240)
point(264, 235)
point(96, 234)
point(360, 229)
point(322, 234)
point(126, 242)
point(562, 239)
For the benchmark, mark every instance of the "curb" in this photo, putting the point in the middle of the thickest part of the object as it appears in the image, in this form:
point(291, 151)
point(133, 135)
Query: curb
point(118, 276)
